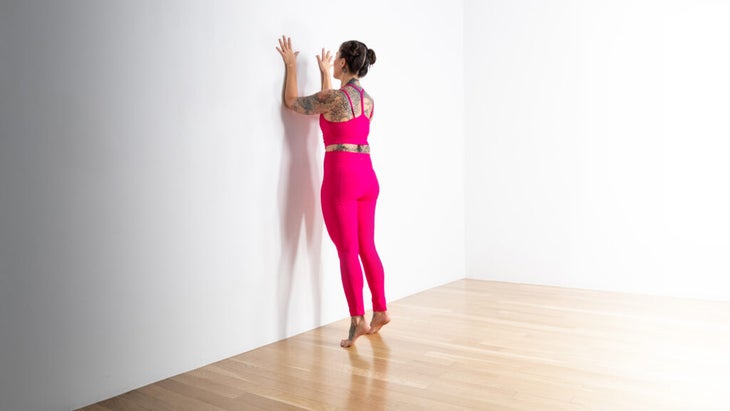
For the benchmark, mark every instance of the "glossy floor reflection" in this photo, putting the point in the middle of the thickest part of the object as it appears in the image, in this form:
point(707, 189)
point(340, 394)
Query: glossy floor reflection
point(479, 345)
point(369, 373)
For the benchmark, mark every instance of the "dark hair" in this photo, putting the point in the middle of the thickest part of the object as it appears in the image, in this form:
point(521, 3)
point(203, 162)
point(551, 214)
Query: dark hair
point(358, 57)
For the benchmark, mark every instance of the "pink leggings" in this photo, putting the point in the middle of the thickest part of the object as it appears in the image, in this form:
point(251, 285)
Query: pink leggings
point(349, 192)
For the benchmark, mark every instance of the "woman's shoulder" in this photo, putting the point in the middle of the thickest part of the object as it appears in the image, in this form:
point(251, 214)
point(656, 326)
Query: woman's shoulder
point(339, 108)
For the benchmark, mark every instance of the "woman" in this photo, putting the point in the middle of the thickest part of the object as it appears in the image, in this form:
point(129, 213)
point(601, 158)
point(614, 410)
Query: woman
point(350, 187)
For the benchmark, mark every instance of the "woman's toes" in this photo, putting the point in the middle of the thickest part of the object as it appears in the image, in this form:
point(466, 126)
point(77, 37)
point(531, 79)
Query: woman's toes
point(357, 328)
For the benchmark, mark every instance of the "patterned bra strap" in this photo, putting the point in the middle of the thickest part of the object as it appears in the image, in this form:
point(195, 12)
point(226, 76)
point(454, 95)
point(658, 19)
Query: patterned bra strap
point(352, 107)
point(362, 100)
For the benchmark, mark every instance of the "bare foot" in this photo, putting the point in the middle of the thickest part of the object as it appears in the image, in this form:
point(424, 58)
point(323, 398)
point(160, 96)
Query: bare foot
point(380, 318)
point(358, 327)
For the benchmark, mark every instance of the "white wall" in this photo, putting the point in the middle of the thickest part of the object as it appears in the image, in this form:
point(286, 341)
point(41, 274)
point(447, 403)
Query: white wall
point(158, 209)
point(598, 140)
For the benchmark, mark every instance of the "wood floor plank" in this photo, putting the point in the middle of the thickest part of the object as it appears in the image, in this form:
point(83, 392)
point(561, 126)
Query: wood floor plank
point(95, 407)
point(482, 345)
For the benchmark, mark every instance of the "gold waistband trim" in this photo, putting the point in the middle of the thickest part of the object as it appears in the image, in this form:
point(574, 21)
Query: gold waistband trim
point(350, 148)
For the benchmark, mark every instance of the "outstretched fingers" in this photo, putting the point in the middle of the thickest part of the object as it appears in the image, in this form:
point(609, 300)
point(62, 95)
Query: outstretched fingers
point(324, 60)
point(326, 56)
point(286, 51)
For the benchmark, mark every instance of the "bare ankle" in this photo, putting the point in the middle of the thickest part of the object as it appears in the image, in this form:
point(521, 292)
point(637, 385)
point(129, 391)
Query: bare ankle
point(358, 327)
point(380, 318)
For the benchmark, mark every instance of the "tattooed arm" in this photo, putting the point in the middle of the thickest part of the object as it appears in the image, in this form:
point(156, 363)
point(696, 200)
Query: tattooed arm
point(322, 102)
point(318, 103)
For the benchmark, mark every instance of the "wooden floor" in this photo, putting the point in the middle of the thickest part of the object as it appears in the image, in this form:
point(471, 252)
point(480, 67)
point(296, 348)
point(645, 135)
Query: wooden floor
point(480, 345)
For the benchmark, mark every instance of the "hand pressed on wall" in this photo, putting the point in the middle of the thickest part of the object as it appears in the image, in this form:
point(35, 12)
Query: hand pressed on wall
point(325, 62)
point(287, 52)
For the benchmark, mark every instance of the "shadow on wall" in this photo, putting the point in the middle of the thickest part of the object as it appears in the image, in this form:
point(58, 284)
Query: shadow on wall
point(299, 211)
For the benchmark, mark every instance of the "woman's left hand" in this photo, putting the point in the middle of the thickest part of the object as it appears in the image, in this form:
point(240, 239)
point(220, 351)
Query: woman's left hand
point(287, 52)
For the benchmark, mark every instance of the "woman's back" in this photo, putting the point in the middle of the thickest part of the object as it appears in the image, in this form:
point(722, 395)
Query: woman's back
point(348, 122)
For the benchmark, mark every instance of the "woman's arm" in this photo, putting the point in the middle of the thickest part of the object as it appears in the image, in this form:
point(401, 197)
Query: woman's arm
point(325, 64)
point(321, 102)
point(290, 62)
point(314, 104)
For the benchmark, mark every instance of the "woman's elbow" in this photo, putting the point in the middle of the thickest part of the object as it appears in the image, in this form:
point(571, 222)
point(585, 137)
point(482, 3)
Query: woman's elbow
point(289, 102)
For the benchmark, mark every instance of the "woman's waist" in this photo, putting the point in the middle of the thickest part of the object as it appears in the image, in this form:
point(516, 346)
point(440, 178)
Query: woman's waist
point(347, 158)
point(330, 138)
point(348, 147)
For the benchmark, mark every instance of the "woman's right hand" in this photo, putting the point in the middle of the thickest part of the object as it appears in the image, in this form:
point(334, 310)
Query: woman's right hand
point(325, 62)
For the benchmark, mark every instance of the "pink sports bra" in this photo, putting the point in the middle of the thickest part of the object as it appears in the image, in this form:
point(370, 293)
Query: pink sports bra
point(353, 131)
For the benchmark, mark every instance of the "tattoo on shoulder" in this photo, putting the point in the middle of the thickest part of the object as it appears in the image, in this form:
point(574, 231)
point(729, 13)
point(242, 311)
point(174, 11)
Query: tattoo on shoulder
point(369, 103)
point(340, 110)
point(316, 103)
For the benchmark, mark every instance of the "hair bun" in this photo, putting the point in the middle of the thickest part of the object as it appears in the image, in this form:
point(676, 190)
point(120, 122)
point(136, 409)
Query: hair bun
point(371, 56)
point(358, 57)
